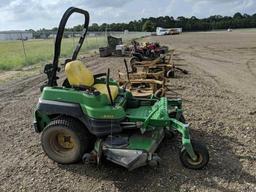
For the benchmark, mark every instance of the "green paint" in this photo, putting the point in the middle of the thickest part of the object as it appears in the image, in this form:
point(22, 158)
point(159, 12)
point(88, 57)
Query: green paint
point(153, 114)
point(147, 142)
point(186, 142)
point(94, 106)
point(141, 143)
point(156, 115)
point(42, 119)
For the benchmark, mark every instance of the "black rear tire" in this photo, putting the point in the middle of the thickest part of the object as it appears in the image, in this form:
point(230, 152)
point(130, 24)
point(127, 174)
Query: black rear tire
point(202, 156)
point(65, 140)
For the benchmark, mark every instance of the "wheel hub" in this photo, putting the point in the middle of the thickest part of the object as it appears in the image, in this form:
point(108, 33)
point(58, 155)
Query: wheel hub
point(198, 160)
point(65, 141)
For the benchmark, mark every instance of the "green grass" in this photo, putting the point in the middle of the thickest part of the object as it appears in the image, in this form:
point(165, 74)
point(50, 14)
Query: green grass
point(12, 54)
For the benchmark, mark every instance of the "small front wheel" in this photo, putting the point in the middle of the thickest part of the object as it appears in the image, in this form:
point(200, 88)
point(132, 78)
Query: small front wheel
point(170, 73)
point(159, 93)
point(202, 156)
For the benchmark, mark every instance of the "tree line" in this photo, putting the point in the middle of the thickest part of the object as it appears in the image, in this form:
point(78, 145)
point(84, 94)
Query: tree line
point(193, 23)
point(188, 24)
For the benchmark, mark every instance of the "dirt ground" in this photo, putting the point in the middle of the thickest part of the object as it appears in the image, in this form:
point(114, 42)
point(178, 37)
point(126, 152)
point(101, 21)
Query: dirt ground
point(219, 101)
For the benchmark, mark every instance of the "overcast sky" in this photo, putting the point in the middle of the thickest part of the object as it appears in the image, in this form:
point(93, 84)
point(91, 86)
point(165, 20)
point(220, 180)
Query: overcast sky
point(35, 14)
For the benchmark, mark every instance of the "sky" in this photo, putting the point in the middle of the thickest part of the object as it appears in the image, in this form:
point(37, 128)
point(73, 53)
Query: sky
point(36, 14)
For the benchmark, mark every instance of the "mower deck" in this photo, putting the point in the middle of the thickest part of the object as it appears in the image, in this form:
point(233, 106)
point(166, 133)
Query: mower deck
point(131, 150)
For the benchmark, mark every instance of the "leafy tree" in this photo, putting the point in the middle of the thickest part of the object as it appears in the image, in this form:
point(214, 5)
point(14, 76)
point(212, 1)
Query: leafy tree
point(78, 28)
point(246, 15)
point(181, 18)
point(237, 16)
point(193, 18)
point(94, 27)
point(148, 26)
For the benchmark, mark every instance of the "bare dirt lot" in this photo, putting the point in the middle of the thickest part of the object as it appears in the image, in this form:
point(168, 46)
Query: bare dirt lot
point(219, 101)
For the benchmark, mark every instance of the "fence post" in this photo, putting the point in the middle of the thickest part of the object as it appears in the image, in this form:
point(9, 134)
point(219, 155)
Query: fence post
point(73, 36)
point(23, 46)
point(97, 43)
point(86, 43)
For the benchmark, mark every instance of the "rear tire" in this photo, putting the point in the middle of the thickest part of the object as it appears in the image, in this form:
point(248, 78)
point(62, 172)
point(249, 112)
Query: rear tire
point(202, 156)
point(65, 140)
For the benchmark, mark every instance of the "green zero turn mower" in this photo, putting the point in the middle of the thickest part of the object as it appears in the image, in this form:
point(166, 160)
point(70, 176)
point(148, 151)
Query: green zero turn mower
point(90, 117)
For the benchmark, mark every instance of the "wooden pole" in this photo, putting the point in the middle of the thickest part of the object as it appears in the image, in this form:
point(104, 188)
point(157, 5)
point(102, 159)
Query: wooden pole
point(23, 46)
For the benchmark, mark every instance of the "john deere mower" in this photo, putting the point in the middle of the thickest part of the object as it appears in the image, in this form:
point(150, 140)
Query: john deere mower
point(90, 118)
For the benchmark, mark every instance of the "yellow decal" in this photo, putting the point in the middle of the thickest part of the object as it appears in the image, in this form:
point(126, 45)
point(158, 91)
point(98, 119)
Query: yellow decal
point(108, 116)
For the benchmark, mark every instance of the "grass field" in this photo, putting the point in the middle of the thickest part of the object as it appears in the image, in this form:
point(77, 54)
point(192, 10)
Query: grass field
point(12, 56)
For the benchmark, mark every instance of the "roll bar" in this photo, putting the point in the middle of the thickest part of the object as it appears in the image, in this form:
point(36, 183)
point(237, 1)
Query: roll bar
point(52, 69)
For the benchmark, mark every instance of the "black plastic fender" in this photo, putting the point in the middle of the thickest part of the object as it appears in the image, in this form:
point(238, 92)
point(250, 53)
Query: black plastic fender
point(97, 127)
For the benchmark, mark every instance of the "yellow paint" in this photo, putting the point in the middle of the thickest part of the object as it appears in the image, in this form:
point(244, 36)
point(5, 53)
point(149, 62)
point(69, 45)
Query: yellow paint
point(103, 89)
point(78, 74)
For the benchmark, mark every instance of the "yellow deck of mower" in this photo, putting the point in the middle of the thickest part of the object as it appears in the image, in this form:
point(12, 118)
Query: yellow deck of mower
point(164, 64)
point(142, 84)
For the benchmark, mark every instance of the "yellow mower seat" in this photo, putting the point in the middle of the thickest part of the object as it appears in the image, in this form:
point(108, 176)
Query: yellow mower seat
point(78, 74)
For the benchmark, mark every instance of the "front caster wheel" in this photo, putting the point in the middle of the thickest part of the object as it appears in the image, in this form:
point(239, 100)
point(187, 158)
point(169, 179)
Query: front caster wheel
point(159, 93)
point(170, 134)
point(202, 156)
point(170, 73)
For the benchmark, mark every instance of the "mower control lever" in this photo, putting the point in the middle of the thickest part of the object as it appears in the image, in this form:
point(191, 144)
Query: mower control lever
point(108, 88)
point(127, 70)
